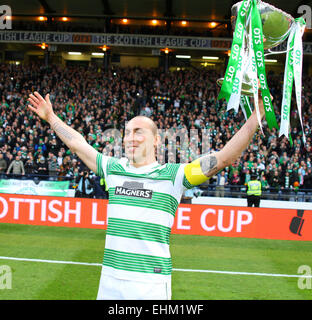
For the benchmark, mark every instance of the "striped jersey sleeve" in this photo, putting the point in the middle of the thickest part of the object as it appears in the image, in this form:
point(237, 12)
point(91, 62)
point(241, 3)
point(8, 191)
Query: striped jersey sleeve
point(101, 165)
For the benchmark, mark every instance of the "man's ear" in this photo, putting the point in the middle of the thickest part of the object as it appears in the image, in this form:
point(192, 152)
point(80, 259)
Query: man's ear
point(157, 141)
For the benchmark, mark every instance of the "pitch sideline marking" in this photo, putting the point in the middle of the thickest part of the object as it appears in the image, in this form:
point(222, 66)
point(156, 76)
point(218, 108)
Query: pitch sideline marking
point(173, 269)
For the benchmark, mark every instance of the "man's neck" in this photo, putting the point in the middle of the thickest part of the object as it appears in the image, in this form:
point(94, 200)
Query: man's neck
point(139, 164)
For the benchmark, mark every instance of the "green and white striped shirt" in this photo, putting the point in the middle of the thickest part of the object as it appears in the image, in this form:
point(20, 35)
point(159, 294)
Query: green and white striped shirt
point(140, 213)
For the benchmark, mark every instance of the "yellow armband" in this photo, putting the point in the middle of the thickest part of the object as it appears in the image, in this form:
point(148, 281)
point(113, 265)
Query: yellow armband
point(194, 174)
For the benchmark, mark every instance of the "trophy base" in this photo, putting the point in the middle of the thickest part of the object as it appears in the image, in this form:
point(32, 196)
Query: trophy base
point(246, 88)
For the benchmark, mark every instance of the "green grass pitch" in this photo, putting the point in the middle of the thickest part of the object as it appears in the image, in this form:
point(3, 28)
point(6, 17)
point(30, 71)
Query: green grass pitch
point(49, 281)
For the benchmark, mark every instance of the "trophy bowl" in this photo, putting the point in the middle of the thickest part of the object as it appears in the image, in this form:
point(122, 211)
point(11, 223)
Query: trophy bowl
point(276, 27)
point(275, 23)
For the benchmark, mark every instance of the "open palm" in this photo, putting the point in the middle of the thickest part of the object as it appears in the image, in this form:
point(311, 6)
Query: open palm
point(42, 107)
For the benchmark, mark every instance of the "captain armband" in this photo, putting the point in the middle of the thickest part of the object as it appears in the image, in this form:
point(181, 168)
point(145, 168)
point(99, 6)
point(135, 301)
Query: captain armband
point(194, 173)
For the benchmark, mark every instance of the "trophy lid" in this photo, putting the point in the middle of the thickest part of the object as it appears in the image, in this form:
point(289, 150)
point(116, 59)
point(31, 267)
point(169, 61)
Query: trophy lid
point(275, 23)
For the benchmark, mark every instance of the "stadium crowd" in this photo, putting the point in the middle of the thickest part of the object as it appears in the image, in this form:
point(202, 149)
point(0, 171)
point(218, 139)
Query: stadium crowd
point(93, 101)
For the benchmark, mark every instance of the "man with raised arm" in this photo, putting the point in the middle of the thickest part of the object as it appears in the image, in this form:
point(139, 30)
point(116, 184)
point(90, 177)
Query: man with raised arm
point(143, 199)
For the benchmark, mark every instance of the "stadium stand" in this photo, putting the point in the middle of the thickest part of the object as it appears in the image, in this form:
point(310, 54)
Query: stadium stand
point(96, 96)
point(106, 100)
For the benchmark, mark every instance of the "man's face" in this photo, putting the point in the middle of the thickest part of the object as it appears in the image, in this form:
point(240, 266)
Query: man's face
point(139, 141)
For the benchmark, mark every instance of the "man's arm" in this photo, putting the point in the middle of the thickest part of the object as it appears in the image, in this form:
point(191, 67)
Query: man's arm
point(22, 166)
point(9, 168)
point(209, 165)
point(70, 137)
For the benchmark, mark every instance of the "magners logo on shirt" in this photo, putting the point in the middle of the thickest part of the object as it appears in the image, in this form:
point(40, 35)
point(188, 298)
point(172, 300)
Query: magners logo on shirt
point(133, 189)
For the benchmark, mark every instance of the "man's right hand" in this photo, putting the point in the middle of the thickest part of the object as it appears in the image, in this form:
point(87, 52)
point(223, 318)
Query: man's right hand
point(42, 107)
point(70, 137)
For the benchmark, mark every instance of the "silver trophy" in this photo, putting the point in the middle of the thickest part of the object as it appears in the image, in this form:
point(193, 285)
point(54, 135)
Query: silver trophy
point(276, 26)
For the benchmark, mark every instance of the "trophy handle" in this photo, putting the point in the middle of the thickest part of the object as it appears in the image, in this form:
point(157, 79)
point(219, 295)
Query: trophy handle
point(277, 52)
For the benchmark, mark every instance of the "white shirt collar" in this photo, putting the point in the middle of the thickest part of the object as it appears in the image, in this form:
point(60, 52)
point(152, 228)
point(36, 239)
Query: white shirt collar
point(142, 169)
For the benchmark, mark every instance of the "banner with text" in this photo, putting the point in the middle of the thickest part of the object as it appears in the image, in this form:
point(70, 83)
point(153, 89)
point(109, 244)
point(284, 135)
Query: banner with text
point(133, 40)
point(207, 220)
point(42, 188)
point(130, 40)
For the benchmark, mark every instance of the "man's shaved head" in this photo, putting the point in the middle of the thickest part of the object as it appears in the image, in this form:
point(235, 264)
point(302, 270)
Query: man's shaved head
point(148, 121)
point(141, 139)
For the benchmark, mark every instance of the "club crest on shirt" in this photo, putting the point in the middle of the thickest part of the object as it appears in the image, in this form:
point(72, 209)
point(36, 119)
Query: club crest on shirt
point(133, 189)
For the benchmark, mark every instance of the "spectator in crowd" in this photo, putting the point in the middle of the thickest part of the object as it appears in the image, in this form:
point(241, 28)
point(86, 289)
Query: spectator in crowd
point(17, 167)
point(65, 168)
point(264, 184)
point(3, 165)
point(302, 172)
point(52, 146)
point(286, 184)
point(59, 158)
point(42, 167)
point(236, 181)
point(85, 187)
point(99, 189)
point(221, 183)
point(104, 188)
point(260, 165)
point(308, 180)
point(275, 184)
point(53, 166)
point(254, 191)
point(30, 167)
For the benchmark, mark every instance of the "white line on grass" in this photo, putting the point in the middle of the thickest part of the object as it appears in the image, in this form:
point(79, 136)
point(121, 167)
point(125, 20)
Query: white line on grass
point(173, 269)
point(246, 273)
point(51, 261)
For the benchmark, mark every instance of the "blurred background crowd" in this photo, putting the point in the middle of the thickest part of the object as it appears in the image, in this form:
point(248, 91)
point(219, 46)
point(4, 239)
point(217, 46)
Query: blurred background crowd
point(177, 100)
